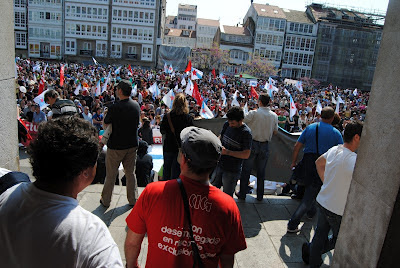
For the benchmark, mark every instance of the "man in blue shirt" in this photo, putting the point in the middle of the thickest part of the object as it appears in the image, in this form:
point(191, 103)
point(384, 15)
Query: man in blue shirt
point(328, 136)
point(38, 115)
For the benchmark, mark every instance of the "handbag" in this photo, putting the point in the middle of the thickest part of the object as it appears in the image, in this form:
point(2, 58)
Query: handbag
point(196, 254)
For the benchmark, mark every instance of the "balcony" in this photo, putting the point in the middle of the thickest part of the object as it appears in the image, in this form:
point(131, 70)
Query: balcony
point(86, 52)
point(131, 56)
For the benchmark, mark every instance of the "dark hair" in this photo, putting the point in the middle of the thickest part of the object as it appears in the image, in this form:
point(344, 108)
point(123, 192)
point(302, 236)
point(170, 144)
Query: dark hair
point(199, 170)
point(264, 98)
point(235, 113)
point(50, 94)
point(336, 119)
point(352, 128)
point(327, 112)
point(64, 147)
point(126, 87)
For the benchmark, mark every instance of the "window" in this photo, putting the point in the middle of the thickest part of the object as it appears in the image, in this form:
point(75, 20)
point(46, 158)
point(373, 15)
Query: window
point(146, 52)
point(20, 40)
point(131, 50)
point(87, 46)
point(116, 50)
point(101, 48)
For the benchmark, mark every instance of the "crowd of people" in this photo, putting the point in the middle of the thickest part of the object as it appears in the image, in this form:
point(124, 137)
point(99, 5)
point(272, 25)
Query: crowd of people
point(125, 103)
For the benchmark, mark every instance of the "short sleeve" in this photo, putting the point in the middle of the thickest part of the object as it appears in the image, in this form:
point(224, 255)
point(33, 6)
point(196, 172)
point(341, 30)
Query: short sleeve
point(136, 220)
point(235, 241)
point(302, 138)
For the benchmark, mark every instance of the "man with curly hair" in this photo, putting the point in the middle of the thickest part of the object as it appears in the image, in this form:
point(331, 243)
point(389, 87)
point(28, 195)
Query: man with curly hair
point(41, 223)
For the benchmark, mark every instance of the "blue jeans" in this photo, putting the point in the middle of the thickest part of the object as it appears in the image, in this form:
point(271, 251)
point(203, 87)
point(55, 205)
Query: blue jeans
point(307, 205)
point(259, 158)
point(171, 169)
point(321, 242)
point(226, 179)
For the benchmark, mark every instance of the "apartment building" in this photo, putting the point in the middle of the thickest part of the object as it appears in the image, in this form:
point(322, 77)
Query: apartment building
point(180, 38)
point(205, 32)
point(187, 15)
point(45, 29)
point(20, 28)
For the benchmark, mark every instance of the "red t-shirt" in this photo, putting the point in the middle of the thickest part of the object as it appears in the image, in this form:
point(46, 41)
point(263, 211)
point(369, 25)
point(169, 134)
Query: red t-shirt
point(159, 212)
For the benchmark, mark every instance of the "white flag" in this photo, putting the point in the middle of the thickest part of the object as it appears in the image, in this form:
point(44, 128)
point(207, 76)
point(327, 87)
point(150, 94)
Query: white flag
point(95, 61)
point(205, 112)
point(168, 99)
point(98, 89)
point(355, 93)
point(299, 86)
point(40, 100)
point(134, 91)
point(286, 92)
point(333, 100)
point(223, 96)
point(183, 82)
point(234, 100)
point(78, 88)
point(105, 84)
point(337, 107)
point(293, 108)
point(189, 88)
point(339, 99)
point(319, 107)
point(245, 109)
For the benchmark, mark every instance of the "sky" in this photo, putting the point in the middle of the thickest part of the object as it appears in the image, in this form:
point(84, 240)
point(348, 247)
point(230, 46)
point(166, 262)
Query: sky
point(231, 12)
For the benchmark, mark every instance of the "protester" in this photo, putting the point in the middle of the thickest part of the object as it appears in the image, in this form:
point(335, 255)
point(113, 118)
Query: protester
point(145, 132)
point(38, 115)
point(144, 165)
point(263, 124)
point(171, 126)
point(317, 139)
point(87, 115)
point(97, 119)
point(215, 225)
point(59, 107)
point(236, 144)
point(335, 169)
point(122, 143)
point(41, 223)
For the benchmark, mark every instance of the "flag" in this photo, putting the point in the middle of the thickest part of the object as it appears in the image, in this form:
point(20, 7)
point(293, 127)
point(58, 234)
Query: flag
point(339, 99)
point(170, 69)
point(245, 109)
point(286, 92)
point(106, 83)
point(36, 68)
point(196, 93)
point(319, 107)
point(355, 93)
point(189, 67)
point(130, 69)
point(337, 107)
point(271, 95)
point(168, 98)
point(271, 81)
point(134, 91)
point(213, 72)
point(165, 67)
point(222, 77)
point(62, 75)
point(253, 93)
point(196, 74)
point(98, 89)
point(95, 61)
point(223, 96)
point(293, 108)
point(78, 88)
point(299, 86)
point(333, 100)
point(40, 100)
point(42, 81)
point(118, 70)
point(205, 112)
point(234, 101)
point(176, 87)
point(253, 83)
point(189, 88)
point(155, 90)
point(183, 82)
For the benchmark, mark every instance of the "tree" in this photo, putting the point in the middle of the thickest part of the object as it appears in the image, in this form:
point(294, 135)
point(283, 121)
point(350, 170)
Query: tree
point(260, 67)
point(208, 59)
point(309, 82)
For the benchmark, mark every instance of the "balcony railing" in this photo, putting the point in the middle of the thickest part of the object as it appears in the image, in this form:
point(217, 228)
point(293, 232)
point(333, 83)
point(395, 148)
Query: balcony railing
point(131, 56)
point(86, 52)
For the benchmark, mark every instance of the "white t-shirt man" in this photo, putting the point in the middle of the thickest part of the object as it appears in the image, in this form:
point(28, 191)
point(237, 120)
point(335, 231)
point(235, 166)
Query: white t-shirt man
point(339, 168)
point(42, 229)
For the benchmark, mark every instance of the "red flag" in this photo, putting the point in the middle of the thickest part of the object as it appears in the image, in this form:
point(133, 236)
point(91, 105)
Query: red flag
point(189, 67)
point(62, 75)
point(213, 72)
point(42, 82)
point(196, 94)
point(130, 69)
point(253, 93)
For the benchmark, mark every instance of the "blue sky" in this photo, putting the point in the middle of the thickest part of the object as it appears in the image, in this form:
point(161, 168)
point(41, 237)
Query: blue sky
point(231, 12)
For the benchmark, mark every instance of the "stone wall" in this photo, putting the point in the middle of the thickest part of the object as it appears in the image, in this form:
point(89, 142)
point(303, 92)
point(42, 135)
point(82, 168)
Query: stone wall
point(8, 114)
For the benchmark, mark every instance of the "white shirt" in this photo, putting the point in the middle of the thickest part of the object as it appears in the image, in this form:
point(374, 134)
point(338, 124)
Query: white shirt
point(338, 174)
point(262, 123)
point(42, 229)
point(87, 117)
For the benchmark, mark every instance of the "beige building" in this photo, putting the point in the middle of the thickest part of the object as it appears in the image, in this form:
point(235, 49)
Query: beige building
point(205, 32)
point(180, 38)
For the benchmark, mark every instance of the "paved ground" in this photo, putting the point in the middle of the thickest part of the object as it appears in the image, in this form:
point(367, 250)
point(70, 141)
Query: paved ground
point(264, 223)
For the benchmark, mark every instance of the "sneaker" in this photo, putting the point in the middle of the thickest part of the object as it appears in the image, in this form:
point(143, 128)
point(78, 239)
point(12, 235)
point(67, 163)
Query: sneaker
point(292, 231)
point(305, 252)
point(239, 197)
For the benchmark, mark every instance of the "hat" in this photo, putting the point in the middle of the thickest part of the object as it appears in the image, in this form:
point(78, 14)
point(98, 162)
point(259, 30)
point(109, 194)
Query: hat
point(201, 147)
point(22, 89)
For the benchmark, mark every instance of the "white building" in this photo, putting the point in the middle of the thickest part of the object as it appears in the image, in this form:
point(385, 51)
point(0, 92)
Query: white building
point(239, 42)
point(20, 27)
point(267, 23)
point(300, 43)
point(205, 32)
point(187, 15)
point(86, 28)
point(180, 38)
point(45, 28)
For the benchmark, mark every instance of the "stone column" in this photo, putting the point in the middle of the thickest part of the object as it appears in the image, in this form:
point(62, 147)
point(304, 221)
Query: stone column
point(8, 115)
point(371, 202)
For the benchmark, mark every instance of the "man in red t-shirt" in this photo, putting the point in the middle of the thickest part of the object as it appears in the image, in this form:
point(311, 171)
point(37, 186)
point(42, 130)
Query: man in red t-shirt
point(159, 212)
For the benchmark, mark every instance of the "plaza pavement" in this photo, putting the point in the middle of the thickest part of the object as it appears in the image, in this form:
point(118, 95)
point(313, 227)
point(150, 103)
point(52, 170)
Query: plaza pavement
point(264, 223)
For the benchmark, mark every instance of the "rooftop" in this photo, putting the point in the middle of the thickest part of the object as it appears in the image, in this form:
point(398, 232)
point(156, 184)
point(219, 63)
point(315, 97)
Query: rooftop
point(296, 16)
point(235, 30)
point(208, 22)
point(179, 33)
point(269, 11)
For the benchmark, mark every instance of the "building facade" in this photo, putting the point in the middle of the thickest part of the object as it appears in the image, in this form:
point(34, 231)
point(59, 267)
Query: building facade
point(20, 28)
point(45, 29)
point(347, 46)
point(180, 38)
point(187, 15)
point(205, 32)
point(299, 45)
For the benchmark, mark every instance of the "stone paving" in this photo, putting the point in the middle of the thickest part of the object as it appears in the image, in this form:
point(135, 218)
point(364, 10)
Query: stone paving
point(264, 223)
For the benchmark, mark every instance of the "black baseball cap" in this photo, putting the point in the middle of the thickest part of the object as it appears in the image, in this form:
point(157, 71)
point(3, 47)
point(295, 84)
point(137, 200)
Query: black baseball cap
point(201, 147)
